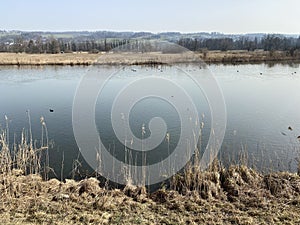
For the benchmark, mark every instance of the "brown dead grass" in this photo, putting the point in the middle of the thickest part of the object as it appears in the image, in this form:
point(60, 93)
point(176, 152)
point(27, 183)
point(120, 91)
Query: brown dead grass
point(47, 59)
point(83, 58)
point(237, 195)
point(249, 56)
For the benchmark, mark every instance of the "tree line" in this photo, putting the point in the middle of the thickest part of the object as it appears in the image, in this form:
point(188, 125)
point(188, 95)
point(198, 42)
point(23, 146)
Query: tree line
point(53, 45)
point(267, 43)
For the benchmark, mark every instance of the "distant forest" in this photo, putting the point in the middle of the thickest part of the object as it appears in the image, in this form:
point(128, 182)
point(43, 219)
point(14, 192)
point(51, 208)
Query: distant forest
point(51, 44)
point(267, 43)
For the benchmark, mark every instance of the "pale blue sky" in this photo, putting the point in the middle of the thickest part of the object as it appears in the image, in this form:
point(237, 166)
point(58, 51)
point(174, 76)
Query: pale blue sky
point(227, 16)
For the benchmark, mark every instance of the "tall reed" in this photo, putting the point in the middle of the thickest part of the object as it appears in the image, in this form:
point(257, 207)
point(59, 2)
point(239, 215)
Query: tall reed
point(25, 157)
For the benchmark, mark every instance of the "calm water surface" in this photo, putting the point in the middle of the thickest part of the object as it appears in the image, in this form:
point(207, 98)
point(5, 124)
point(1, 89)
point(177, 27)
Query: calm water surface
point(262, 102)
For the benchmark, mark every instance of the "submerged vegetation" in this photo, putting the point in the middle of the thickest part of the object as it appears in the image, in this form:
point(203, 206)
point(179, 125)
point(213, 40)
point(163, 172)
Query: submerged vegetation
point(233, 195)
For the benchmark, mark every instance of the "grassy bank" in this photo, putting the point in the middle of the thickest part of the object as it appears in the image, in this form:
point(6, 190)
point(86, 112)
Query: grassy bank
point(47, 59)
point(248, 57)
point(234, 195)
point(237, 195)
point(144, 58)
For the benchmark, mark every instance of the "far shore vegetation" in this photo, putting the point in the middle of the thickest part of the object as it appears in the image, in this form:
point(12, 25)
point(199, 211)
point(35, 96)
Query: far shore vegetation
point(85, 48)
point(139, 58)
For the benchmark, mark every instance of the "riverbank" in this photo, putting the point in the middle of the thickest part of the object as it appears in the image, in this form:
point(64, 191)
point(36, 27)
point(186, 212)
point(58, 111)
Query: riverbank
point(237, 195)
point(84, 58)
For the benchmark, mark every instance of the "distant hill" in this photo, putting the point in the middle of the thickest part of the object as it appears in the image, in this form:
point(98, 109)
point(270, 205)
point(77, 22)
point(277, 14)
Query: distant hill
point(95, 41)
point(8, 36)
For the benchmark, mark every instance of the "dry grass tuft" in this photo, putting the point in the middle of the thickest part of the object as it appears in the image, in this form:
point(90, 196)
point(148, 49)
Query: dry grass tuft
point(237, 195)
point(234, 195)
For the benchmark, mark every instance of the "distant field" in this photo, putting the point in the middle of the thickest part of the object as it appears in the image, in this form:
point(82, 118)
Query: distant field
point(84, 58)
point(47, 59)
point(63, 35)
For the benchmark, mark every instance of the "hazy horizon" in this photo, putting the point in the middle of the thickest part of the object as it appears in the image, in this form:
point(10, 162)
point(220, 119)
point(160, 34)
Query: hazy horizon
point(228, 17)
point(137, 31)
